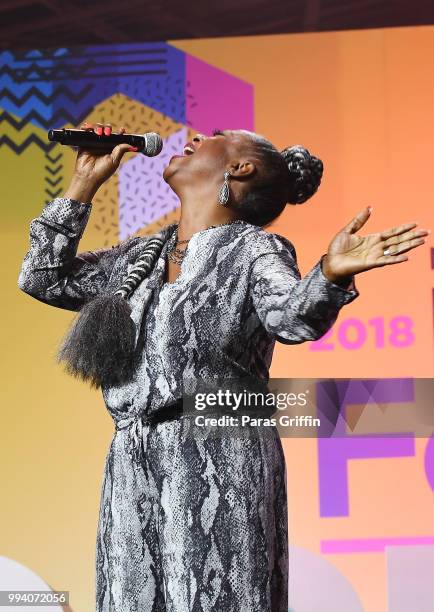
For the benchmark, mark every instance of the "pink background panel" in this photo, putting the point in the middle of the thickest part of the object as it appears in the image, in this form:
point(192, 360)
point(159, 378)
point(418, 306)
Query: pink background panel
point(216, 99)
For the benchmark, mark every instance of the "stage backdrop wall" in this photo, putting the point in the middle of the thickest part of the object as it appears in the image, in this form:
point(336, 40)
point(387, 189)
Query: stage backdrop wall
point(360, 518)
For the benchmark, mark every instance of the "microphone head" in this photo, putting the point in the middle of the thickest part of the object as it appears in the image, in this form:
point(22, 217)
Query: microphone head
point(154, 144)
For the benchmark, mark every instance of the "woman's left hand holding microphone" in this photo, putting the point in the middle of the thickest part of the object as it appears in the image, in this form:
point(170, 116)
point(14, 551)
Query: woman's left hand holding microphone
point(94, 166)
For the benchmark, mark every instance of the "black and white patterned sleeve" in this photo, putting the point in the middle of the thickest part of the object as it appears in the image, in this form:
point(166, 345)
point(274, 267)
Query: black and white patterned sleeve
point(290, 308)
point(51, 271)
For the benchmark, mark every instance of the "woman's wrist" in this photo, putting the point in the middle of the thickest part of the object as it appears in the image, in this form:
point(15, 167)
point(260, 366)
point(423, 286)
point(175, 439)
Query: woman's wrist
point(342, 281)
point(81, 190)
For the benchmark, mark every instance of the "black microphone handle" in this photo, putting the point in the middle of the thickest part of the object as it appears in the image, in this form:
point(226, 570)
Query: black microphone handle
point(87, 139)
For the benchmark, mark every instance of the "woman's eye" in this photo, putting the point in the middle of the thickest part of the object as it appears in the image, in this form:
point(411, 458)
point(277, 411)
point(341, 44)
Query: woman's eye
point(217, 133)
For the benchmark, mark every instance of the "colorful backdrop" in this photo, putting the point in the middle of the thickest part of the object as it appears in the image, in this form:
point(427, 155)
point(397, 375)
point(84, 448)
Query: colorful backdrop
point(361, 508)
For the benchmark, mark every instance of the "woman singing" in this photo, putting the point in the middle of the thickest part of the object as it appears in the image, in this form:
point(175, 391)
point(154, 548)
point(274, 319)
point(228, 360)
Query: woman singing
point(194, 524)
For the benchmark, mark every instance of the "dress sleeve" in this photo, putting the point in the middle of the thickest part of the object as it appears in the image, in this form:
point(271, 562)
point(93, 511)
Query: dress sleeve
point(293, 309)
point(52, 271)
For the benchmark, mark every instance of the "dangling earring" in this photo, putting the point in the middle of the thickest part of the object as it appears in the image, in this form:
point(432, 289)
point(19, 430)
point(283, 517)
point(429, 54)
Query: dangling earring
point(224, 190)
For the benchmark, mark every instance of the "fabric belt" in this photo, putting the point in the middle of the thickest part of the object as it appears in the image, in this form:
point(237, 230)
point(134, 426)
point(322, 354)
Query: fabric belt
point(170, 412)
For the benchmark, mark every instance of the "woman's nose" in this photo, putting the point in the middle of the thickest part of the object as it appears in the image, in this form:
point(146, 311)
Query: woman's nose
point(199, 138)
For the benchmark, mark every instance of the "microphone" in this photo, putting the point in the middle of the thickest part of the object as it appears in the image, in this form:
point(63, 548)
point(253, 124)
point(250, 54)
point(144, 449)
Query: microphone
point(149, 144)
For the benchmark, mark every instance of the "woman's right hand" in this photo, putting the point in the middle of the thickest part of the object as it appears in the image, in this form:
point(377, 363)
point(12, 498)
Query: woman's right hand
point(95, 166)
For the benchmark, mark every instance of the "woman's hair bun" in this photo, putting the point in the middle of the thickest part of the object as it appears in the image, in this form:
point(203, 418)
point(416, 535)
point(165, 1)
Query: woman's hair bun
point(305, 173)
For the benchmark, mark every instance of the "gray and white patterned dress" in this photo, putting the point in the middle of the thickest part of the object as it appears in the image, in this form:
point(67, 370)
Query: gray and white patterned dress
point(189, 524)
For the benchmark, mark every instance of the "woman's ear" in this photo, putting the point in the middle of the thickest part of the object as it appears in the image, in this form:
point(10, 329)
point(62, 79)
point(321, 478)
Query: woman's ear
point(243, 169)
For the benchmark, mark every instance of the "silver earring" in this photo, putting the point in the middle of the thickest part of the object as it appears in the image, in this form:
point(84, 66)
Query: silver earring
point(224, 190)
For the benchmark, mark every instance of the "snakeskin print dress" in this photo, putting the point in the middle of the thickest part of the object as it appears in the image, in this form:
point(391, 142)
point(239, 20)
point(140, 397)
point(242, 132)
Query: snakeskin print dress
point(189, 522)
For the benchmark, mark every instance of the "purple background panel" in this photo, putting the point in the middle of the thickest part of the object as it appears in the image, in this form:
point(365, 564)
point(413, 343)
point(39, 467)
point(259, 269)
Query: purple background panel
point(333, 457)
point(216, 99)
point(333, 453)
point(144, 197)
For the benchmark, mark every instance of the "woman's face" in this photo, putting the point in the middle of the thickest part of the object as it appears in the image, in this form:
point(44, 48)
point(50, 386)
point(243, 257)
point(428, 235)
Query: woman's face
point(206, 158)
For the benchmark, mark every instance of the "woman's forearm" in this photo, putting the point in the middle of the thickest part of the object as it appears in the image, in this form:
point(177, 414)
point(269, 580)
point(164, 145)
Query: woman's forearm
point(81, 190)
point(51, 270)
point(293, 308)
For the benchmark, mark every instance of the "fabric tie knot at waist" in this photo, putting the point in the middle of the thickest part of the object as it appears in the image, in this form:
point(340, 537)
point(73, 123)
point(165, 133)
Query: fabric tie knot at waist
point(137, 423)
point(136, 442)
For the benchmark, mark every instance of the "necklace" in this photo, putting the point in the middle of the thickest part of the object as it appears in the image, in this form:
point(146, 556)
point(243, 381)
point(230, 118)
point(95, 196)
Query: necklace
point(177, 255)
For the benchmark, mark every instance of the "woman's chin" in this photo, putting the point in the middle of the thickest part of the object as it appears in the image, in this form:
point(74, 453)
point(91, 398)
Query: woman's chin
point(168, 172)
point(172, 166)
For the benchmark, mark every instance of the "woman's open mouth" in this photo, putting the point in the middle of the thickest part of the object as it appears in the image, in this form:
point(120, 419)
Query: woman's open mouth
point(188, 150)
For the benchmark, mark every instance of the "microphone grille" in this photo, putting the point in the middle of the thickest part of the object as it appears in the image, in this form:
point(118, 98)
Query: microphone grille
point(154, 144)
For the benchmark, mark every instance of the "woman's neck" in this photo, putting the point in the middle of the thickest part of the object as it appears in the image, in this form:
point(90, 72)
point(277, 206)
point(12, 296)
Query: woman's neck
point(195, 219)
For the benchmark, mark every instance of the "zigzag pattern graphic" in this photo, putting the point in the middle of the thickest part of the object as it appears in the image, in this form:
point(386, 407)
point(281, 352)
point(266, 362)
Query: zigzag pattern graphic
point(32, 139)
point(61, 116)
point(57, 93)
point(45, 109)
point(54, 168)
point(152, 73)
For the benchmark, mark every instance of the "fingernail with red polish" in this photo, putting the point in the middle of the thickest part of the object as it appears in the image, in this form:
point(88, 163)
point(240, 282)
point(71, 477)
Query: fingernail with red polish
point(133, 149)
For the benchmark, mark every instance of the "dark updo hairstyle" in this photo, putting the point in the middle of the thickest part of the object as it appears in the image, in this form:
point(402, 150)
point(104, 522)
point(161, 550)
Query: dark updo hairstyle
point(290, 176)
